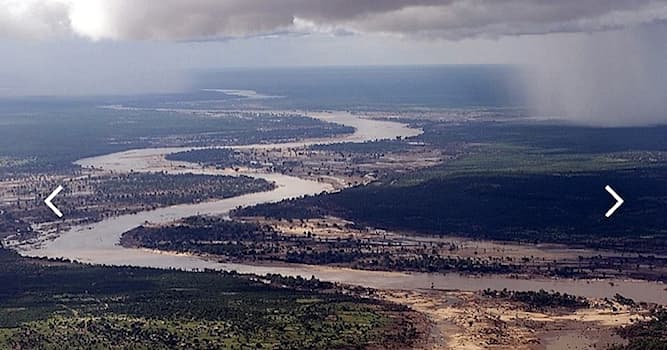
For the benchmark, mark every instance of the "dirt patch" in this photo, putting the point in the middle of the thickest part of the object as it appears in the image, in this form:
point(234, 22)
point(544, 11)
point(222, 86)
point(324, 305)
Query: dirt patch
point(470, 321)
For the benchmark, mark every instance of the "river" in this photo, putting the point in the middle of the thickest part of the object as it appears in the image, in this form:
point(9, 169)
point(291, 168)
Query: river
point(98, 243)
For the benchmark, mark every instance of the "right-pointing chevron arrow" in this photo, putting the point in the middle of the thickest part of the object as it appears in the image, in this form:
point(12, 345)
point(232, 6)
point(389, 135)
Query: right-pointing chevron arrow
point(619, 201)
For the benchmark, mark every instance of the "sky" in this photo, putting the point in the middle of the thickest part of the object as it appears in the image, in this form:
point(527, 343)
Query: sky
point(596, 60)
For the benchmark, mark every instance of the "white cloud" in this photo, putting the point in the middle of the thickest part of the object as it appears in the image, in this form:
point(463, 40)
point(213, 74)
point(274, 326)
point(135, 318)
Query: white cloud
point(33, 19)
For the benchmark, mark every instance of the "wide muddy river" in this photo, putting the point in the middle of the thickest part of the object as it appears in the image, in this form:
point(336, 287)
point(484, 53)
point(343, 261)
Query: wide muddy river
point(98, 243)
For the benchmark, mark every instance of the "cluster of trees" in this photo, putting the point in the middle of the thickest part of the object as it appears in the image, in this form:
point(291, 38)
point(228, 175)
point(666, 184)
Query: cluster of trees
point(379, 260)
point(10, 224)
point(92, 198)
point(375, 149)
point(167, 189)
point(250, 241)
point(541, 299)
point(201, 234)
point(646, 335)
point(289, 160)
point(217, 157)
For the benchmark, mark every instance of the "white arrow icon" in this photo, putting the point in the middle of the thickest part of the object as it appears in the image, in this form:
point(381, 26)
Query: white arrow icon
point(619, 201)
point(50, 198)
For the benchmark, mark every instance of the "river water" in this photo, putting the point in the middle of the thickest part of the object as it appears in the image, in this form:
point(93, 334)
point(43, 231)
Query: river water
point(98, 243)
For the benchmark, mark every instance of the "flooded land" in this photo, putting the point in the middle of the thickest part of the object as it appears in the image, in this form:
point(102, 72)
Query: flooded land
point(443, 277)
point(333, 175)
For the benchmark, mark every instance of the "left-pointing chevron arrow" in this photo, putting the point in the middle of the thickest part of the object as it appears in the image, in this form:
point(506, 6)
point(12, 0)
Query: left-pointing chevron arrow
point(48, 200)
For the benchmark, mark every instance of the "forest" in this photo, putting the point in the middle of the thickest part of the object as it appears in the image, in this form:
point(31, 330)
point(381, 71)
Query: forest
point(49, 304)
point(566, 208)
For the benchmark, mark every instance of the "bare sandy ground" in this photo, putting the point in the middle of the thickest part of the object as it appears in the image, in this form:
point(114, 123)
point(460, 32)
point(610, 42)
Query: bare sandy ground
point(469, 321)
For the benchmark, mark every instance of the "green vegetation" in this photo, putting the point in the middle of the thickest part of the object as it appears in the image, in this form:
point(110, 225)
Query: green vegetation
point(646, 335)
point(368, 147)
point(554, 138)
point(248, 241)
point(540, 300)
point(200, 234)
point(217, 157)
point(506, 159)
point(61, 132)
point(94, 198)
point(530, 183)
point(532, 208)
point(56, 305)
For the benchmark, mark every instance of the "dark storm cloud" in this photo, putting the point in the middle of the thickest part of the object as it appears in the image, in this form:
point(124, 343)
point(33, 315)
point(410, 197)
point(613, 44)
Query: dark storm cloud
point(485, 18)
point(610, 73)
point(206, 19)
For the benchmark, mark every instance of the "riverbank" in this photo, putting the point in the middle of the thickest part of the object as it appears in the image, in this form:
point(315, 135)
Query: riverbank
point(98, 243)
